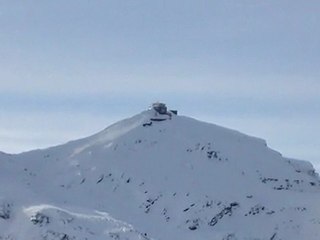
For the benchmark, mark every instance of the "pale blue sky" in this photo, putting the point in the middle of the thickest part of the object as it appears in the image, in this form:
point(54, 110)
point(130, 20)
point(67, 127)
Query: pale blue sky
point(70, 68)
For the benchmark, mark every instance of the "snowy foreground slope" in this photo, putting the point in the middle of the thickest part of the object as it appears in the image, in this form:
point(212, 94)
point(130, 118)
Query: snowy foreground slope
point(169, 180)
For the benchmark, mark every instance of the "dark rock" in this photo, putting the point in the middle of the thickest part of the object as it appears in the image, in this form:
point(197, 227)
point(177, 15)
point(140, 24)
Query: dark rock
point(225, 211)
point(273, 236)
point(40, 219)
point(193, 227)
point(100, 178)
point(147, 124)
point(5, 210)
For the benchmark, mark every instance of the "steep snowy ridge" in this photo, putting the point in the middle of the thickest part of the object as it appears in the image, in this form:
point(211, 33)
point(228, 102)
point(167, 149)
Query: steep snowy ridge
point(144, 178)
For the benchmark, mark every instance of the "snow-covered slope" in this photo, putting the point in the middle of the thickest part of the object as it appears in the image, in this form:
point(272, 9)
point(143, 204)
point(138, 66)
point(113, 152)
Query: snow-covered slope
point(173, 179)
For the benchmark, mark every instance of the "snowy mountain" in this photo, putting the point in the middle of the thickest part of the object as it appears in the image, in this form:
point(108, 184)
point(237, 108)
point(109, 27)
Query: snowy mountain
point(162, 177)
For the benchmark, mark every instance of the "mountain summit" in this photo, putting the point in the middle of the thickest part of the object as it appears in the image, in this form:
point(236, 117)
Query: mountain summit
point(159, 176)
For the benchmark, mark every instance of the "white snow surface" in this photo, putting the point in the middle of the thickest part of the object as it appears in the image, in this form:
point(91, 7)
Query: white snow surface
point(167, 180)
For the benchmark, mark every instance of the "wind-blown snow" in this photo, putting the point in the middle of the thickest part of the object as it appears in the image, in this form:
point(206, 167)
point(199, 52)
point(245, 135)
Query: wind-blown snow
point(174, 179)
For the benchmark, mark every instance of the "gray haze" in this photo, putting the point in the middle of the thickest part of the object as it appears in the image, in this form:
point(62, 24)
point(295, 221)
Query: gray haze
point(70, 68)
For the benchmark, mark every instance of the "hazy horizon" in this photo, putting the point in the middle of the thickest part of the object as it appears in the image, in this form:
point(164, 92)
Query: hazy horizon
point(69, 69)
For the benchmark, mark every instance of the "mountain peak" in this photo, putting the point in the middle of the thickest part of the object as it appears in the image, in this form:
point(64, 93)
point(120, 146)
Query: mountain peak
point(159, 176)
